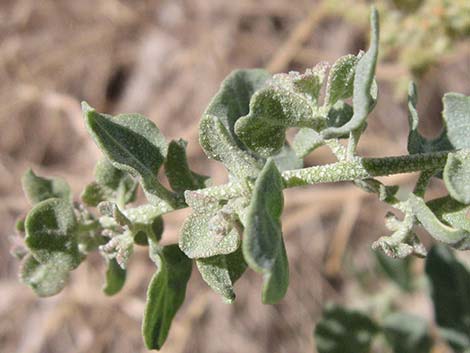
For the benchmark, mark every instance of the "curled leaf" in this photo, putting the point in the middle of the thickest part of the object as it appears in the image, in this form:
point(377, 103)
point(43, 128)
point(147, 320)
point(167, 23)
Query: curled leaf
point(165, 295)
point(180, 177)
point(263, 246)
point(216, 129)
point(454, 237)
point(46, 279)
point(51, 234)
point(220, 272)
point(289, 100)
point(38, 189)
point(364, 88)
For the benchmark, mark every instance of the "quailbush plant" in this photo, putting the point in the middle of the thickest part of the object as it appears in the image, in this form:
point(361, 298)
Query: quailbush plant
point(238, 225)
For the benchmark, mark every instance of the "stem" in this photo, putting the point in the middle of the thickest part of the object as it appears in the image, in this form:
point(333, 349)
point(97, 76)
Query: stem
point(359, 168)
point(363, 168)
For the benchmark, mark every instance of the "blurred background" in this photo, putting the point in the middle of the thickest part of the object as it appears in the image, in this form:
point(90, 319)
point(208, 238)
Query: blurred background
point(166, 59)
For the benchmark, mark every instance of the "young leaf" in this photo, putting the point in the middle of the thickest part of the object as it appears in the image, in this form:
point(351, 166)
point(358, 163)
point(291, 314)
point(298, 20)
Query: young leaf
point(456, 175)
point(111, 184)
point(134, 144)
point(450, 290)
point(454, 237)
point(457, 118)
point(165, 295)
point(416, 142)
point(46, 279)
point(219, 145)
point(263, 246)
point(180, 177)
point(216, 129)
point(341, 330)
point(115, 278)
point(38, 189)
point(364, 87)
point(201, 237)
point(341, 79)
point(289, 100)
point(451, 212)
point(407, 333)
point(51, 234)
point(220, 272)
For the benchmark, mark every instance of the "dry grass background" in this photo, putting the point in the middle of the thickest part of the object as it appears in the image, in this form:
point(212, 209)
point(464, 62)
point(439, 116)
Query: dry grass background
point(166, 59)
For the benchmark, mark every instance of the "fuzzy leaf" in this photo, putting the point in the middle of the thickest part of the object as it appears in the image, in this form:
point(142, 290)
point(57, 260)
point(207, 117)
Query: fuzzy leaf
point(115, 278)
point(51, 234)
point(200, 237)
point(416, 142)
point(165, 295)
point(341, 79)
point(134, 144)
point(407, 333)
point(456, 175)
point(341, 330)
point(111, 184)
point(38, 189)
point(289, 100)
point(364, 88)
point(220, 272)
point(216, 129)
point(457, 118)
point(450, 290)
point(46, 279)
point(180, 177)
point(454, 237)
point(219, 145)
point(263, 246)
point(451, 212)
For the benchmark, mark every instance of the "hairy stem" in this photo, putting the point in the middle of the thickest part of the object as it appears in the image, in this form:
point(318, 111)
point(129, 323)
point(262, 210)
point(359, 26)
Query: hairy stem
point(358, 168)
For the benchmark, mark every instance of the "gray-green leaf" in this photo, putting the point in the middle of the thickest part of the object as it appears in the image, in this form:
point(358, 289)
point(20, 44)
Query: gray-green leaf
point(216, 129)
point(220, 272)
point(364, 88)
point(450, 290)
point(457, 118)
point(132, 143)
point(454, 237)
point(180, 177)
point(205, 234)
point(341, 79)
point(457, 175)
point(111, 184)
point(407, 333)
point(263, 245)
point(341, 330)
point(38, 189)
point(51, 234)
point(165, 295)
point(289, 100)
point(115, 278)
point(46, 279)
